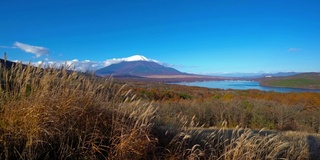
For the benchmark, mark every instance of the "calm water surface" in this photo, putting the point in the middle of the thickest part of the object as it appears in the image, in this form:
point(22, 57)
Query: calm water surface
point(242, 85)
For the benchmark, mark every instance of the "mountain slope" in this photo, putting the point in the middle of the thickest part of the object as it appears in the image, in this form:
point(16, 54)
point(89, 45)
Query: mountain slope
point(7, 63)
point(303, 80)
point(138, 68)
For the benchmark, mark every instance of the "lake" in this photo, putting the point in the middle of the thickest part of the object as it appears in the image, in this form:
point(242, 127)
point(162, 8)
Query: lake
point(242, 85)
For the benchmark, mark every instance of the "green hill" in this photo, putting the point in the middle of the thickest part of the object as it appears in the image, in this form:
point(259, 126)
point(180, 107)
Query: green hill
point(303, 80)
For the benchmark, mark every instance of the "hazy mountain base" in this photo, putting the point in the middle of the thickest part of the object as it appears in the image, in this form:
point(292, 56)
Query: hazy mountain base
point(52, 114)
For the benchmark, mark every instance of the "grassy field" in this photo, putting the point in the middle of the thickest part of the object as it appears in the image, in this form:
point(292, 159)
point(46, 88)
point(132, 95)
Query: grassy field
point(305, 80)
point(49, 113)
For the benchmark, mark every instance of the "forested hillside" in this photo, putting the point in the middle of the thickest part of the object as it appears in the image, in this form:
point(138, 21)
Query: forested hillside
point(304, 80)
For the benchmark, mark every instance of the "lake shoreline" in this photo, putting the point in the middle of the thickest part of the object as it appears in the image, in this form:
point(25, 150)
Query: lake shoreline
point(243, 85)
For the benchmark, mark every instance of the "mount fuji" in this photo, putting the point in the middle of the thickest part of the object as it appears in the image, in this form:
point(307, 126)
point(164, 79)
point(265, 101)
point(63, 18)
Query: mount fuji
point(141, 68)
point(136, 65)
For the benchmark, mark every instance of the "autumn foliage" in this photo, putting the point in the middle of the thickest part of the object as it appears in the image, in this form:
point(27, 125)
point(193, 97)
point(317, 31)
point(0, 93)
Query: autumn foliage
point(50, 113)
point(247, 108)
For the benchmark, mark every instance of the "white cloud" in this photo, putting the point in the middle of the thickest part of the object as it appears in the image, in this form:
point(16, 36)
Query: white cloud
point(74, 64)
point(85, 65)
point(37, 50)
point(5, 47)
point(294, 49)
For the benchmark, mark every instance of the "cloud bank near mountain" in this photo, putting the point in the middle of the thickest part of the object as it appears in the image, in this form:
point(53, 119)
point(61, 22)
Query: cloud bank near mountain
point(83, 65)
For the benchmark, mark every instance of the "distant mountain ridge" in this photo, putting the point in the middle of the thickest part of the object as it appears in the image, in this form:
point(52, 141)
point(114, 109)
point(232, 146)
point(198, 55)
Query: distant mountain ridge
point(256, 75)
point(309, 80)
point(138, 68)
point(8, 63)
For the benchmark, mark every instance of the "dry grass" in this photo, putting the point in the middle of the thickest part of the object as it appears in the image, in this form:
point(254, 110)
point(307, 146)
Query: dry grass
point(49, 113)
point(238, 144)
point(55, 114)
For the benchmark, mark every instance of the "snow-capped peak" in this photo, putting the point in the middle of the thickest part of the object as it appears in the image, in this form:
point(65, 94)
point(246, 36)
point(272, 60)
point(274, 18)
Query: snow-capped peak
point(136, 58)
point(128, 59)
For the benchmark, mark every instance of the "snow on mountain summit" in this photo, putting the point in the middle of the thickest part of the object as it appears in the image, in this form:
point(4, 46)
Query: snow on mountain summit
point(128, 59)
point(136, 66)
point(136, 58)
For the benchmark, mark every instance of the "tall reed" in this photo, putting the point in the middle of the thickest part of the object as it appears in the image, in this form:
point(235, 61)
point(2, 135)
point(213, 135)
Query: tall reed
point(50, 113)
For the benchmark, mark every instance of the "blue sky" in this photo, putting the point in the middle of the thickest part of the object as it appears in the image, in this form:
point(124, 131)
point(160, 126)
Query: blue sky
point(203, 36)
